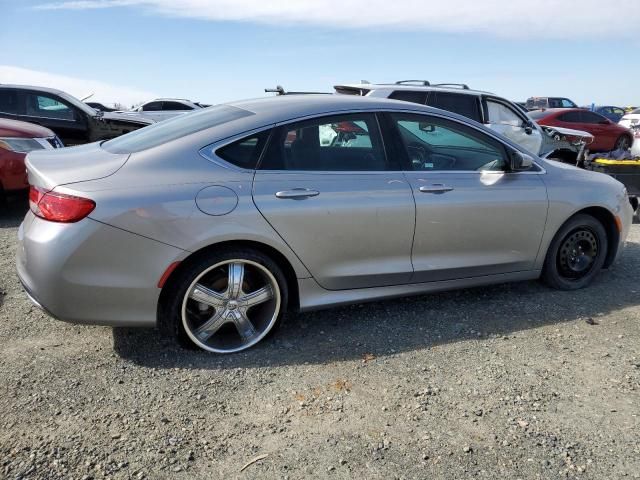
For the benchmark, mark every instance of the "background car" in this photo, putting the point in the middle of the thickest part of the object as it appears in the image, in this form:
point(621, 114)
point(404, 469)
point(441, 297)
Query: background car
point(211, 225)
point(73, 121)
point(16, 140)
point(499, 114)
point(630, 119)
point(165, 108)
point(100, 106)
point(608, 111)
point(607, 135)
point(535, 103)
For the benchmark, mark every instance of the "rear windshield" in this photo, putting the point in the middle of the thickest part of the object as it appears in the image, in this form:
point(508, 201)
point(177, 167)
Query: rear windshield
point(168, 130)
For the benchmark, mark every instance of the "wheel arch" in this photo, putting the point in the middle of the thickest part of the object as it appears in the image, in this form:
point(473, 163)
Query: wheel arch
point(279, 258)
point(608, 221)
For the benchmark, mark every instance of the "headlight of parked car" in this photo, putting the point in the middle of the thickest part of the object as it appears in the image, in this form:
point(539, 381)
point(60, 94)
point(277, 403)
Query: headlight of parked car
point(22, 145)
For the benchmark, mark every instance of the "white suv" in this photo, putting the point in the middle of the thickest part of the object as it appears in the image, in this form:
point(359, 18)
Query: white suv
point(495, 112)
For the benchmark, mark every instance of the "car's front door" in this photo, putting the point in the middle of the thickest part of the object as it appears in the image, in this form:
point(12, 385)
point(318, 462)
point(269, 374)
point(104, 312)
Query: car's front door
point(50, 111)
point(326, 187)
point(473, 216)
point(502, 118)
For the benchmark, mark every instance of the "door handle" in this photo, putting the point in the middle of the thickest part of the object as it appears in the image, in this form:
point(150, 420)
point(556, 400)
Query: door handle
point(435, 188)
point(297, 193)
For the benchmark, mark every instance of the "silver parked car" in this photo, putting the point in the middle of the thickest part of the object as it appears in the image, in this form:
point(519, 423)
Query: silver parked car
point(215, 223)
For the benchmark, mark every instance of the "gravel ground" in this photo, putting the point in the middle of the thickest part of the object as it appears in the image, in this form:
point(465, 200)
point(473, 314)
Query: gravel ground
point(509, 381)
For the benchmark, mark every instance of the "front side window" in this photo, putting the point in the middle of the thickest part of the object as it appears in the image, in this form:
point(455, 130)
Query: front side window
point(337, 143)
point(8, 102)
point(152, 107)
point(590, 117)
point(566, 103)
point(434, 144)
point(500, 114)
point(175, 106)
point(39, 105)
point(462, 104)
point(570, 117)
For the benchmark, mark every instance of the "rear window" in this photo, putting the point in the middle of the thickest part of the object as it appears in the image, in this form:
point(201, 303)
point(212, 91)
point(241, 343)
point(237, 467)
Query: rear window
point(163, 132)
point(462, 104)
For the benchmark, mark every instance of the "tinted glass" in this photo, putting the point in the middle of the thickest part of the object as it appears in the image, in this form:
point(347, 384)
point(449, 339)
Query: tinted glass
point(168, 130)
point(590, 117)
point(8, 101)
point(152, 107)
point(336, 143)
point(502, 115)
point(462, 104)
point(245, 152)
point(566, 103)
point(571, 117)
point(433, 144)
point(409, 96)
point(47, 107)
point(175, 106)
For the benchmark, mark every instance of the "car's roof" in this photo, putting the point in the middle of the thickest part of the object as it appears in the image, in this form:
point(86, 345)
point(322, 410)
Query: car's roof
point(168, 99)
point(283, 107)
point(411, 87)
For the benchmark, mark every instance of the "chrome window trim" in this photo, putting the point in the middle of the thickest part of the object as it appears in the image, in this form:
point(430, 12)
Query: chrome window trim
point(207, 151)
point(45, 118)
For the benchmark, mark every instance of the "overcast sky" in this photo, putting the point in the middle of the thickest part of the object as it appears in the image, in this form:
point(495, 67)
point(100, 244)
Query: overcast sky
point(218, 50)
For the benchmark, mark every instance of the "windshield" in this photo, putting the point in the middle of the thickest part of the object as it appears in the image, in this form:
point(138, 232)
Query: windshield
point(168, 130)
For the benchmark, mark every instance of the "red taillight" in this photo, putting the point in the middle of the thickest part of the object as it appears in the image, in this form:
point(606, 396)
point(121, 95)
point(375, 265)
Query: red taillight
point(59, 207)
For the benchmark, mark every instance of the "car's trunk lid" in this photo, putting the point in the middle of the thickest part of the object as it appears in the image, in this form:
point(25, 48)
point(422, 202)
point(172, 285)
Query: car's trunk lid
point(51, 168)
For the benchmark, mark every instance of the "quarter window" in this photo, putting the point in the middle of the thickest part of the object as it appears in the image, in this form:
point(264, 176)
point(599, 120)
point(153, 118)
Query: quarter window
point(244, 153)
point(48, 107)
point(337, 143)
point(433, 144)
point(409, 96)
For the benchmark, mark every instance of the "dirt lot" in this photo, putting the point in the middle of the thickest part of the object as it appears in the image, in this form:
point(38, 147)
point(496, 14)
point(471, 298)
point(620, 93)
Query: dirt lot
point(509, 381)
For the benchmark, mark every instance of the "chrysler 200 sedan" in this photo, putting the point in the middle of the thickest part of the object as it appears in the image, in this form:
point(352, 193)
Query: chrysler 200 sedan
point(211, 225)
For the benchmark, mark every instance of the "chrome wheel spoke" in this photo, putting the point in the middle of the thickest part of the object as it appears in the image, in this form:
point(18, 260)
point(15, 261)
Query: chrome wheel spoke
point(261, 295)
point(243, 324)
point(205, 295)
point(236, 277)
point(211, 326)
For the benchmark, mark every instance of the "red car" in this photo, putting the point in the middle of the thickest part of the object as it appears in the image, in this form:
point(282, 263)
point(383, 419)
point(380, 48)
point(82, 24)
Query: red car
point(16, 140)
point(607, 135)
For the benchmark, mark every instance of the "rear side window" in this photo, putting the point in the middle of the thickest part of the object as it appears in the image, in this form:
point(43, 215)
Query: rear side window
point(571, 117)
point(461, 104)
point(337, 143)
point(152, 107)
point(409, 96)
point(175, 106)
point(8, 101)
point(168, 130)
point(590, 117)
point(245, 152)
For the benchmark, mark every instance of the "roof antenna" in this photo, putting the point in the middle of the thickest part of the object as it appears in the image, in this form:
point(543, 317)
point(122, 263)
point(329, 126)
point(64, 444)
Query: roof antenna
point(278, 90)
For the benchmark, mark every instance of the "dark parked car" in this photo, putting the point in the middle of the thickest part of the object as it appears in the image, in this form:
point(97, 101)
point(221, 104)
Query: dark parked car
point(535, 103)
point(100, 106)
point(73, 121)
point(16, 140)
point(609, 111)
point(607, 135)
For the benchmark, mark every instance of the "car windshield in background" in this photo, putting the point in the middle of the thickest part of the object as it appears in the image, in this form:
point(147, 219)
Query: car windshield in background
point(171, 129)
point(538, 114)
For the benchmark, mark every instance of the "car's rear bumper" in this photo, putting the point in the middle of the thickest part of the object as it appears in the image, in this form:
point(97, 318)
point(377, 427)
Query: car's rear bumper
point(88, 272)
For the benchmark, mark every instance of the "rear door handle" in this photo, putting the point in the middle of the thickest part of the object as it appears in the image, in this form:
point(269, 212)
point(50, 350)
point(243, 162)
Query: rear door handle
point(435, 188)
point(297, 193)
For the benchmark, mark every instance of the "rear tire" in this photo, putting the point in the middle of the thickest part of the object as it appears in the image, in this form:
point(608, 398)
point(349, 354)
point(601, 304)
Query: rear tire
point(226, 301)
point(576, 254)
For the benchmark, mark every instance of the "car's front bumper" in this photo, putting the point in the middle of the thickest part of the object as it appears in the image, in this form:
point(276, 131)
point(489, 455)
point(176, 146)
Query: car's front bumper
point(89, 272)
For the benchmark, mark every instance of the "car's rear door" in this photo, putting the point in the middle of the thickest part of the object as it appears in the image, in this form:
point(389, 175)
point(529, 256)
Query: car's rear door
point(473, 217)
point(326, 187)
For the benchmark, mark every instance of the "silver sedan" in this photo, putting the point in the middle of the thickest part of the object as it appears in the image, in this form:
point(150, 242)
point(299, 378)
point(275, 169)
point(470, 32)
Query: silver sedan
point(212, 225)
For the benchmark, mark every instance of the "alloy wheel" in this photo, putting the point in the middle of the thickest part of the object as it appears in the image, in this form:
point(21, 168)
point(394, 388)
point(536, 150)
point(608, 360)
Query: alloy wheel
point(231, 306)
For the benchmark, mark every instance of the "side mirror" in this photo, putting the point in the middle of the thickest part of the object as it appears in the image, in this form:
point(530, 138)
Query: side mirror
point(528, 127)
point(520, 161)
point(426, 127)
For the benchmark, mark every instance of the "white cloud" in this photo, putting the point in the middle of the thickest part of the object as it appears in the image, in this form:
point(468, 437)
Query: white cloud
point(503, 18)
point(78, 87)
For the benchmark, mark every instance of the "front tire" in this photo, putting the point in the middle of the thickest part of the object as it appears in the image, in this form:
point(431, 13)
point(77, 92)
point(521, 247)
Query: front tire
point(576, 254)
point(227, 301)
point(623, 143)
